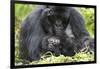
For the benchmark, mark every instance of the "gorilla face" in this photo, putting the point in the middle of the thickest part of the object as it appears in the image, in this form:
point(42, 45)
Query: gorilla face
point(56, 18)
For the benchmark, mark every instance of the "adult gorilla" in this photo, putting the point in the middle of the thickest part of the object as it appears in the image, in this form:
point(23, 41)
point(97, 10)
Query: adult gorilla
point(61, 24)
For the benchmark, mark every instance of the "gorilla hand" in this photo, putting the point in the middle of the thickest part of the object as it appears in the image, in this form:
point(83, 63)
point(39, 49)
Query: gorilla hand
point(53, 42)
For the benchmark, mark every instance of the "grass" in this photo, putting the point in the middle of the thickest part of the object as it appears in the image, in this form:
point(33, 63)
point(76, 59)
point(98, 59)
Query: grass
point(51, 59)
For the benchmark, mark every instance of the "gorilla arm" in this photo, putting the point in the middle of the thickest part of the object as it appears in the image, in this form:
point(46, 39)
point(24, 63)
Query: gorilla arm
point(78, 28)
point(31, 34)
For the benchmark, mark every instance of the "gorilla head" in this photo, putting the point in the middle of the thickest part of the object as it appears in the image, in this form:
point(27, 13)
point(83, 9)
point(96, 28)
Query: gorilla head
point(56, 19)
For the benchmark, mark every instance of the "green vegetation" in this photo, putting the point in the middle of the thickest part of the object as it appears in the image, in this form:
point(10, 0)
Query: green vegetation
point(88, 14)
point(22, 11)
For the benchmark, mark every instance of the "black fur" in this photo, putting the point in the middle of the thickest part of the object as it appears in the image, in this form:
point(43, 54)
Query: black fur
point(61, 23)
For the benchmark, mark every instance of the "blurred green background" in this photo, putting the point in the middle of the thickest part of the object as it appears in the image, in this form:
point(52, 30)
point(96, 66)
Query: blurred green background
point(23, 10)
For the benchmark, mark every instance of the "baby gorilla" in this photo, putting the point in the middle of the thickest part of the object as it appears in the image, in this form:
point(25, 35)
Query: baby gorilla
point(58, 46)
point(52, 44)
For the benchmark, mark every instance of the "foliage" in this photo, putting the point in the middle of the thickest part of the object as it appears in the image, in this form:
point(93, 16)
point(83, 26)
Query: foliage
point(51, 59)
point(22, 11)
point(88, 15)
